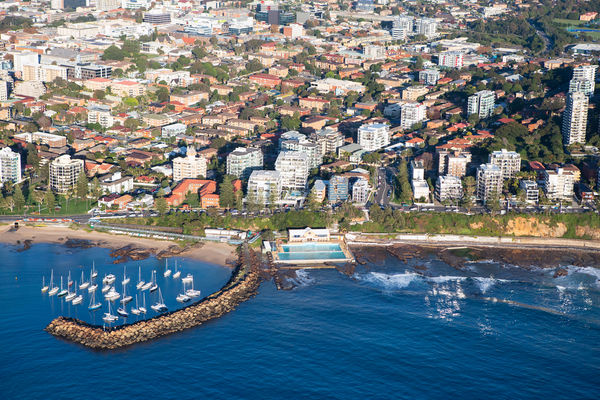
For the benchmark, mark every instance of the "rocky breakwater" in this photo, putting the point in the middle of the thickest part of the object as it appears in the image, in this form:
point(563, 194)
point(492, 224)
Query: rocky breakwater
point(243, 284)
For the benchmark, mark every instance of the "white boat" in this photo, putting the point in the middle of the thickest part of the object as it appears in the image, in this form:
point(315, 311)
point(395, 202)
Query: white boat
point(112, 294)
point(69, 281)
point(154, 286)
point(63, 292)
point(94, 272)
point(109, 279)
point(126, 299)
point(160, 304)
point(167, 270)
point(106, 288)
point(53, 289)
point(189, 278)
point(177, 274)
point(182, 297)
point(191, 292)
point(44, 287)
point(108, 317)
point(77, 300)
point(71, 295)
point(136, 310)
point(140, 283)
point(93, 304)
point(122, 311)
point(92, 288)
point(84, 284)
point(125, 278)
point(143, 309)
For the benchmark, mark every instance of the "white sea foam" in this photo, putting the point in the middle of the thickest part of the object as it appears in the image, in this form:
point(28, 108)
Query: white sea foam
point(593, 272)
point(442, 279)
point(303, 278)
point(388, 282)
point(484, 284)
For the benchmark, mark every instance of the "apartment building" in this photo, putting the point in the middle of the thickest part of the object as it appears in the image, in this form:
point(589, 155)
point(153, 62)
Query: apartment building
point(373, 137)
point(429, 76)
point(128, 89)
point(266, 80)
point(411, 114)
point(509, 162)
point(531, 189)
point(360, 191)
point(374, 52)
point(10, 165)
point(312, 150)
point(293, 167)
point(451, 59)
point(337, 190)
point(426, 26)
point(189, 98)
point(262, 184)
point(489, 181)
point(100, 115)
point(482, 103)
point(448, 188)
point(558, 184)
point(330, 140)
point(414, 92)
point(97, 84)
point(313, 102)
point(575, 118)
point(453, 163)
point(30, 89)
point(43, 72)
point(44, 138)
point(191, 166)
point(242, 161)
point(64, 173)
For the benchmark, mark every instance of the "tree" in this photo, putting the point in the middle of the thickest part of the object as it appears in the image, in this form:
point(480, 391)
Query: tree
point(214, 41)
point(113, 53)
point(311, 200)
point(161, 205)
point(473, 119)
point(99, 94)
point(273, 196)
point(226, 197)
point(44, 122)
point(19, 199)
point(239, 200)
point(251, 202)
point(131, 123)
point(493, 202)
point(82, 185)
point(218, 143)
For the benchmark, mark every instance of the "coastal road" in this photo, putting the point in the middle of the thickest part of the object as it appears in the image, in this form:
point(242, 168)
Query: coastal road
point(382, 197)
point(547, 39)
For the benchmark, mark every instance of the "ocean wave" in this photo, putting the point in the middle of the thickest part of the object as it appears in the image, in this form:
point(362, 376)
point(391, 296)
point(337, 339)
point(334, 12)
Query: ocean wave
point(303, 278)
point(388, 282)
point(484, 284)
point(590, 271)
point(443, 279)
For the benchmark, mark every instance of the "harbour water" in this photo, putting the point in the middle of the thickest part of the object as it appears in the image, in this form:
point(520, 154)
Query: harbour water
point(391, 331)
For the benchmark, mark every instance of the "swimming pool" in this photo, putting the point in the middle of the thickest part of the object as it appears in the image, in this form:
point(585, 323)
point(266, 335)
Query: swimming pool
point(312, 251)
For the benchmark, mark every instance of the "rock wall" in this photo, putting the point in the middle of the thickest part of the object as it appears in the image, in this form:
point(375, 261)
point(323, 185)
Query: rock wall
point(243, 284)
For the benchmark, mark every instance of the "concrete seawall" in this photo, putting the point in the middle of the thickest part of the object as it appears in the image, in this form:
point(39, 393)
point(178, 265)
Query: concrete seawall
point(243, 284)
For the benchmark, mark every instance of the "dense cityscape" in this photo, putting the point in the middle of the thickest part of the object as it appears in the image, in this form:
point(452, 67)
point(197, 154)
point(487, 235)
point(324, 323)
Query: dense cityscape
point(255, 106)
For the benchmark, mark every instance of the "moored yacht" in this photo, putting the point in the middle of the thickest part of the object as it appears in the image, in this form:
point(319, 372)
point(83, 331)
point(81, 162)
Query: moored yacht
point(93, 304)
point(140, 283)
point(154, 286)
point(44, 287)
point(112, 294)
point(125, 278)
point(63, 292)
point(177, 274)
point(106, 288)
point(189, 278)
point(53, 289)
point(191, 292)
point(109, 279)
point(160, 305)
point(109, 317)
point(84, 284)
point(136, 310)
point(143, 308)
point(167, 270)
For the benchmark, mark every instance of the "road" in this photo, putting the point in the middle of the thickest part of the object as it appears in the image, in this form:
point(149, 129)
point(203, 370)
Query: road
point(547, 40)
point(382, 197)
point(366, 17)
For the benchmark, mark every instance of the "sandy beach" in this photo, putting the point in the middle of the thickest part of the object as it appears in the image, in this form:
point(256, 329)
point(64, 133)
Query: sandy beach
point(216, 253)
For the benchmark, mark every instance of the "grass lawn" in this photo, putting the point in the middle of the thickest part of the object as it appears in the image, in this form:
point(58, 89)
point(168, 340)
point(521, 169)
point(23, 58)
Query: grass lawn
point(76, 207)
point(569, 21)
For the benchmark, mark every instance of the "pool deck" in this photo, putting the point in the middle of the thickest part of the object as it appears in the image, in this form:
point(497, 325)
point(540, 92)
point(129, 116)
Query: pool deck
point(349, 257)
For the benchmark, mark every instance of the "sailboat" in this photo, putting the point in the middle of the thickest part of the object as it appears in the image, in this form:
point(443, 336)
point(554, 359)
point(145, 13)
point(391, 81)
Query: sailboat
point(167, 270)
point(69, 281)
point(122, 311)
point(84, 284)
point(125, 278)
point(44, 287)
point(136, 310)
point(177, 274)
point(78, 299)
point(160, 304)
point(140, 281)
point(182, 297)
point(94, 272)
point(188, 278)
point(93, 304)
point(143, 309)
point(71, 295)
point(63, 292)
point(93, 286)
point(112, 294)
point(108, 317)
point(53, 289)
point(154, 285)
point(108, 279)
point(191, 292)
point(126, 299)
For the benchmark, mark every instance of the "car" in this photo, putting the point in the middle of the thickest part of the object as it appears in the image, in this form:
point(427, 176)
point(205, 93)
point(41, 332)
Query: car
point(413, 209)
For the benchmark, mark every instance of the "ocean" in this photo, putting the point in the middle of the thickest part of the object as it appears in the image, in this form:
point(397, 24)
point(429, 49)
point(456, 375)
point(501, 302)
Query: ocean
point(388, 332)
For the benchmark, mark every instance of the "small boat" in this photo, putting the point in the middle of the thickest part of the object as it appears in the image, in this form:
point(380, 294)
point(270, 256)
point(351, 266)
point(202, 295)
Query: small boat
point(63, 292)
point(125, 278)
point(109, 279)
point(122, 311)
point(191, 292)
point(126, 299)
point(84, 284)
point(182, 298)
point(44, 287)
point(53, 289)
point(94, 272)
point(177, 274)
point(108, 317)
point(77, 300)
point(143, 309)
point(140, 283)
point(189, 278)
point(69, 281)
point(92, 288)
point(154, 286)
point(167, 270)
point(93, 304)
point(106, 288)
point(112, 294)
point(146, 286)
point(71, 295)
point(136, 310)
point(160, 304)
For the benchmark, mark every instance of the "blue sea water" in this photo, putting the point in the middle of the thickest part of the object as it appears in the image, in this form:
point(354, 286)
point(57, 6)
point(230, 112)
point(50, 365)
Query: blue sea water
point(388, 332)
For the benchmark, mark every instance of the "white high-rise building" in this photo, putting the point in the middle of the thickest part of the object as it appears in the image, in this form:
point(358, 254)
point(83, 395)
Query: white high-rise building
point(262, 183)
point(360, 191)
point(412, 113)
point(64, 173)
point(374, 52)
point(242, 161)
point(293, 167)
point(451, 59)
point(489, 181)
point(429, 76)
point(582, 85)
point(107, 5)
point(405, 22)
point(509, 162)
point(373, 137)
point(100, 115)
point(189, 167)
point(448, 188)
point(10, 165)
point(4, 90)
point(558, 184)
point(399, 33)
point(587, 72)
point(25, 57)
point(575, 118)
point(312, 150)
point(426, 26)
point(482, 103)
